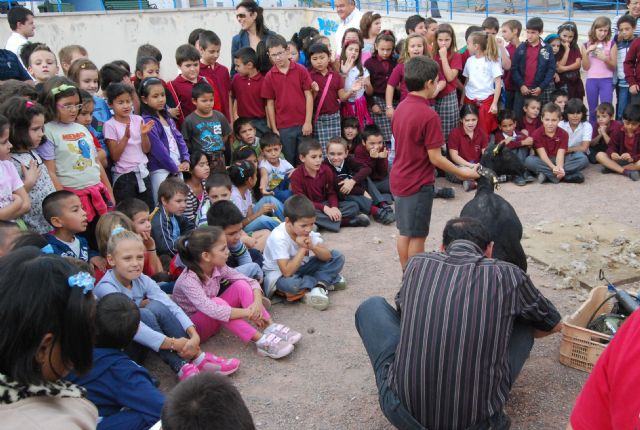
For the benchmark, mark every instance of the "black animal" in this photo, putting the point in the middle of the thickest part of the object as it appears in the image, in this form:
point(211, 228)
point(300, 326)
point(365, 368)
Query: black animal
point(495, 213)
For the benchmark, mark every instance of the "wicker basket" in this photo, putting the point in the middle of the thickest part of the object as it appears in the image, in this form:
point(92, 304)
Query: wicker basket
point(580, 347)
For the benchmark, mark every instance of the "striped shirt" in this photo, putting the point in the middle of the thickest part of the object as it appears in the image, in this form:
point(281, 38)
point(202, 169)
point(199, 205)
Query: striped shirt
point(451, 367)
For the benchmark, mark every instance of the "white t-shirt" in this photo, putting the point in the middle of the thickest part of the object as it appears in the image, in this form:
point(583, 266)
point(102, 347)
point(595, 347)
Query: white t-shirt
point(583, 132)
point(351, 78)
point(15, 43)
point(174, 152)
point(242, 202)
point(353, 20)
point(276, 174)
point(280, 246)
point(481, 74)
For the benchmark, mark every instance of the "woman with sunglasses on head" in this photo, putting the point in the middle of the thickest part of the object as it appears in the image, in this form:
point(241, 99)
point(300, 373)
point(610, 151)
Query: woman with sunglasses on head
point(253, 33)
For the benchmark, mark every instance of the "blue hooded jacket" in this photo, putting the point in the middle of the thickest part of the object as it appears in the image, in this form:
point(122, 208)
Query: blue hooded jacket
point(122, 391)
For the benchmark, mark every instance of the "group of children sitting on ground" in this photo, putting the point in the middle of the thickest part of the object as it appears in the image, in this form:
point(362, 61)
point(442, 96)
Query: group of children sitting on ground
point(181, 224)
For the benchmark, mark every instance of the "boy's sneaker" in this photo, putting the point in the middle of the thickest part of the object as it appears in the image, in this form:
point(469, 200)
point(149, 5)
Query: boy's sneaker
point(187, 371)
point(218, 365)
point(574, 178)
point(634, 175)
point(338, 286)
point(469, 185)
point(317, 298)
point(529, 177)
point(444, 193)
point(520, 181)
point(284, 333)
point(385, 215)
point(361, 220)
point(542, 178)
point(606, 171)
point(272, 346)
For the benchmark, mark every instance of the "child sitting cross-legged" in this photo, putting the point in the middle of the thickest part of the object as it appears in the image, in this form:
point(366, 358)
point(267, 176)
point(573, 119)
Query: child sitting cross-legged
point(352, 179)
point(63, 210)
point(517, 142)
point(163, 327)
point(216, 296)
point(122, 390)
point(316, 181)
point(290, 269)
point(274, 168)
point(623, 151)
point(606, 125)
point(227, 216)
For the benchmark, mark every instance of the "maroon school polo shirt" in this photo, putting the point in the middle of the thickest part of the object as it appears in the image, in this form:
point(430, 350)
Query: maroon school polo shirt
point(247, 91)
point(531, 64)
point(524, 124)
point(219, 75)
point(468, 148)
point(319, 189)
point(455, 63)
point(560, 140)
point(330, 105)
point(397, 80)
point(620, 143)
point(287, 90)
point(506, 75)
point(416, 128)
point(613, 126)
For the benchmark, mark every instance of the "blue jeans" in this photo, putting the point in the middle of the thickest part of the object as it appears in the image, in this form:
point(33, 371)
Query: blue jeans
point(159, 318)
point(265, 221)
point(623, 100)
point(573, 163)
point(378, 325)
point(312, 273)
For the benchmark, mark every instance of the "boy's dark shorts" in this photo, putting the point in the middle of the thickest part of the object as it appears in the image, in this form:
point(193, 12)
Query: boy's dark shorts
point(413, 213)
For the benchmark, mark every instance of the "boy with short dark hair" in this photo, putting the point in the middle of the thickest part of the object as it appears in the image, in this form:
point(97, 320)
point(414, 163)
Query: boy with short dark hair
point(602, 133)
point(63, 210)
point(207, 130)
point(530, 121)
point(167, 222)
point(415, 24)
point(246, 135)
point(491, 25)
point(551, 144)
point(626, 26)
point(419, 140)
point(123, 391)
point(287, 87)
point(274, 168)
point(246, 88)
point(209, 46)
point(218, 187)
point(248, 261)
point(316, 181)
point(560, 97)
point(533, 67)
point(511, 30)
point(288, 266)
point(623, 151)
point(188, 61)
point(519, 143)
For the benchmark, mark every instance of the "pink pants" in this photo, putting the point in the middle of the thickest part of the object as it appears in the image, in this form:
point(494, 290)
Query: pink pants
point(238, 295)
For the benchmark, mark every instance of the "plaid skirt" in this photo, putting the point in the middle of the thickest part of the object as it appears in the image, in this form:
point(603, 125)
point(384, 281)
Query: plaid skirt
point(380, 119)
point(327, 126)
point(545, 95)
point(449, 112)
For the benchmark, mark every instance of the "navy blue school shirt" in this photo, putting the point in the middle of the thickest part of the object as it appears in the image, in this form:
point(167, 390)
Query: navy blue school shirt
point(122, 391)
point(62, 249)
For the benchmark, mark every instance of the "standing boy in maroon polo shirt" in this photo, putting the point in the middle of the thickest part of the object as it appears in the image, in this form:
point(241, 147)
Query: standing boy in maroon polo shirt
point(623, 151)
point(246, 86)
point(418, 134)
point(316, 181)
point(287, 89)
point(551, 143)
point(209, 47)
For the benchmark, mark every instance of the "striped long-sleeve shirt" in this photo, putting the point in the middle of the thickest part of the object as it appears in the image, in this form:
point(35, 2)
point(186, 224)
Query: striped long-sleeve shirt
point(451, 367)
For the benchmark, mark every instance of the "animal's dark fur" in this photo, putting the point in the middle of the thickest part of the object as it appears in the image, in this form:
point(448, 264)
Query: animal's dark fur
point(495, 213)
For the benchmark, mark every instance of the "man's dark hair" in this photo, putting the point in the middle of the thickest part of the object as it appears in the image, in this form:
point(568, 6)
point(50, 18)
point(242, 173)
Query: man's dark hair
point(52, 204)
point(224, 213)
point(218, 179)
point(18, 14)
point(200, 89)
point(370, 130)
point(631, 113)
point(466, 228)
point(491, 22)
point(246, 55)
point(148, 50)
point(206, 402)
point(208, 38)
point(276, 40)
point(412, 22)
point(418, 71)
point(186, 52)
point(298, 206)
point(117, 320)
point(307, 145)
point(535, 24)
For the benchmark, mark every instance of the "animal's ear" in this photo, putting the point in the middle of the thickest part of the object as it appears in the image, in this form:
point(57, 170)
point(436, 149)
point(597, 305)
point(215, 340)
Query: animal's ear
point(498, 149)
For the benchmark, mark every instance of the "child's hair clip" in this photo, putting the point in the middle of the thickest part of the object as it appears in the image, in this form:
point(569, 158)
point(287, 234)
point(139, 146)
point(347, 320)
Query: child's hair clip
point(29, 103)
point(82, 280)
point(47, 249)
point(61, 88)
point(117, 229)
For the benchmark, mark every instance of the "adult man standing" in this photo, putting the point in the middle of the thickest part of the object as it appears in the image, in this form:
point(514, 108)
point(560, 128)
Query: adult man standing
point(23, 27)
point(350, 16)
point(465, 324)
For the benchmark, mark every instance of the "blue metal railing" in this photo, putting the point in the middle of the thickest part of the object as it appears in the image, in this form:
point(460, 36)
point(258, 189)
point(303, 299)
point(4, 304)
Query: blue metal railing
point(575, 10)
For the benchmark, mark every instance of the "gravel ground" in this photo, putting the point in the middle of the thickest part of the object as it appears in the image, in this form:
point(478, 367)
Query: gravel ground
point(328, 383)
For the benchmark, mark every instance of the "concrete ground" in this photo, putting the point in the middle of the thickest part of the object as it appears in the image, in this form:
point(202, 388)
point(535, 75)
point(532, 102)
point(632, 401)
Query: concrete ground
point(328, 383)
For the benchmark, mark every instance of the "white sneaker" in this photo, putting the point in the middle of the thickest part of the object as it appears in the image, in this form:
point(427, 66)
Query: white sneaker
point(270, 345)
point(317, 298)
